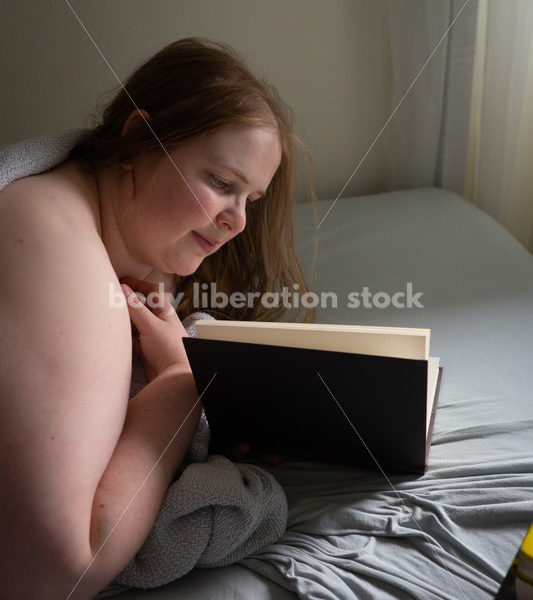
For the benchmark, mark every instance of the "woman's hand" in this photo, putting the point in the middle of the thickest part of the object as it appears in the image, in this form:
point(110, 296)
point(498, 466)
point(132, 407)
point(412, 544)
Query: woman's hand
point(157, 328)
point(157, 340)
point(242, 451)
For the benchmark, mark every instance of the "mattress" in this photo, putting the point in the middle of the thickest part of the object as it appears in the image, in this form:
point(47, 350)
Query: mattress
point(451, 534)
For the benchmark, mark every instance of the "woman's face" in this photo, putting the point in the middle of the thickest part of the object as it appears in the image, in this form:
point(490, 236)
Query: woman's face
point(174, 221)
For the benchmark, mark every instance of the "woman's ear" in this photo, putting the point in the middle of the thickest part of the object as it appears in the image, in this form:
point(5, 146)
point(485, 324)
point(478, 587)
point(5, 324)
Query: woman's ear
point(134, 119)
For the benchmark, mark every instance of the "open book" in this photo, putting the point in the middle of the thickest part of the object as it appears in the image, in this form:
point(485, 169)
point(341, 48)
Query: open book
point(348, 393)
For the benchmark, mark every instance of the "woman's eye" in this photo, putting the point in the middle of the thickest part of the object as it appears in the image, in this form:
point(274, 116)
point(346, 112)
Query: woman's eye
point(220, 183)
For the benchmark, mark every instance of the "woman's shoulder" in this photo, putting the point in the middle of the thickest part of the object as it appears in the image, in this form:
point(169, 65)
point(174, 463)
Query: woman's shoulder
point(54, 265)
point(50, 224)
point(62, 197)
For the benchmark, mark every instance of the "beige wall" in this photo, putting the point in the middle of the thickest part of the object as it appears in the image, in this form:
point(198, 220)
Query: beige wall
point(330, 60)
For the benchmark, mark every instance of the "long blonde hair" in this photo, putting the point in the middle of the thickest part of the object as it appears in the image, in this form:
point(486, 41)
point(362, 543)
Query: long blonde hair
point(192, 88)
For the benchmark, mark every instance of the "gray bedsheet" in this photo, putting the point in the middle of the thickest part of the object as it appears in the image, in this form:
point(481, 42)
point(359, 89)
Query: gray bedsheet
point(451, 534)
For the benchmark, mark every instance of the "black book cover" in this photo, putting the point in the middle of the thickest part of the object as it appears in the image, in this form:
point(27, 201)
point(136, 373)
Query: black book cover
point(289, 400)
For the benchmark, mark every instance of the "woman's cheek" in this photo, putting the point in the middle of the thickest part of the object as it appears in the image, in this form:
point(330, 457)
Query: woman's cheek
point(192, 206)
point(209, 204)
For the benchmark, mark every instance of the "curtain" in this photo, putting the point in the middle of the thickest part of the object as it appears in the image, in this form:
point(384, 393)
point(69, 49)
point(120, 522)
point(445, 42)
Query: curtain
point(499, 169)
point(413, 92)
point(453, 139)
point(430, 62)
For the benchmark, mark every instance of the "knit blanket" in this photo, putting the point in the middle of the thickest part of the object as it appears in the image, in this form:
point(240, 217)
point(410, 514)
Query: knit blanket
point(216, 512)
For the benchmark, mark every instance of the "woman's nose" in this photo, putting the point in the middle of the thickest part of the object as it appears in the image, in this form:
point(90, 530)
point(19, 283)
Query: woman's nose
point(233, 217)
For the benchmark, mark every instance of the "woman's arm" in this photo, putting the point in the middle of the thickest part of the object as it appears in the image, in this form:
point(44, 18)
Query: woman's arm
point(156, 435)
point(73, 453)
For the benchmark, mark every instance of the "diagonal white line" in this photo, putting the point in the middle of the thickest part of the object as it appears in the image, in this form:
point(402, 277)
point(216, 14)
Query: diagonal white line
point(428, 539)
point(139, 489)
point(393, 113)
point(138, 110)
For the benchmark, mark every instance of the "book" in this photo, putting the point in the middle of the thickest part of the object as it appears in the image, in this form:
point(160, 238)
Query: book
point(341, 393)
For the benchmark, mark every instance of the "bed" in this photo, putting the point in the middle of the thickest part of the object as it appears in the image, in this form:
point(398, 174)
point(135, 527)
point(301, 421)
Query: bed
point(451, 534)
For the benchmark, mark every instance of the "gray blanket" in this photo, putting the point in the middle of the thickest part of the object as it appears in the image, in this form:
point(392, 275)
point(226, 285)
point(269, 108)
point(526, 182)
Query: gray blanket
point(216, 512)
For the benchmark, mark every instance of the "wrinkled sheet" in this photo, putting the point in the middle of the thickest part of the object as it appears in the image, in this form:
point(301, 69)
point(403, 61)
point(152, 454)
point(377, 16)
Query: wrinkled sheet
point(362, 534)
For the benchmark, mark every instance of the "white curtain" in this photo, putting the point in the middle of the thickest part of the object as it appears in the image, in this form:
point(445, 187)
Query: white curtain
point(467, 123)
point(431, 46)
point(499, 175)
point(414, 92)
point(453, 139)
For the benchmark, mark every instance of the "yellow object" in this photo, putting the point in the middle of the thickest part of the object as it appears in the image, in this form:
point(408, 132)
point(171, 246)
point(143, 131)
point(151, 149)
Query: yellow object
point(524, 568)
point(527, 545)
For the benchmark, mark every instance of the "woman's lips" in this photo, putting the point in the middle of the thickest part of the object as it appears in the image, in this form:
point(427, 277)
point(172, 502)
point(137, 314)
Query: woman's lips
point(207, 244)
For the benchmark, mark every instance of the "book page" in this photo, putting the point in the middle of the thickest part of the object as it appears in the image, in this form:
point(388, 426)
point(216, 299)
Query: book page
point(399, 342)
point(433, 376)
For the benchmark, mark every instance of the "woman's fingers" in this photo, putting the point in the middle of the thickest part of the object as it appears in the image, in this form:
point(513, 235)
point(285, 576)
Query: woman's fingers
point(152, 296)
point(235, 453)
point(269, 459)
point(143, 319)
point(157, 330)
point(242, 451)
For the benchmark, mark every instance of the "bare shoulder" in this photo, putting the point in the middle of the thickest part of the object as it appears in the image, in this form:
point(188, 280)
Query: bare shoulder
point(50, 245)
point(61, 195)
point(51, 250)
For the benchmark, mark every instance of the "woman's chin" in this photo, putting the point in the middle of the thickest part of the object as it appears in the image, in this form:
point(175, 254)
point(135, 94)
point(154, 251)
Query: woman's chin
point(188, 269)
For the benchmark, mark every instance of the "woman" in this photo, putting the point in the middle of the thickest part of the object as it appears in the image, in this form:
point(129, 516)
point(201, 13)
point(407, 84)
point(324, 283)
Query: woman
point(157, 193)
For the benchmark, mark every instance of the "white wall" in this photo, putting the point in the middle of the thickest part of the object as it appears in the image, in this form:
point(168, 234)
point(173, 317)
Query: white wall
point(332, 62)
